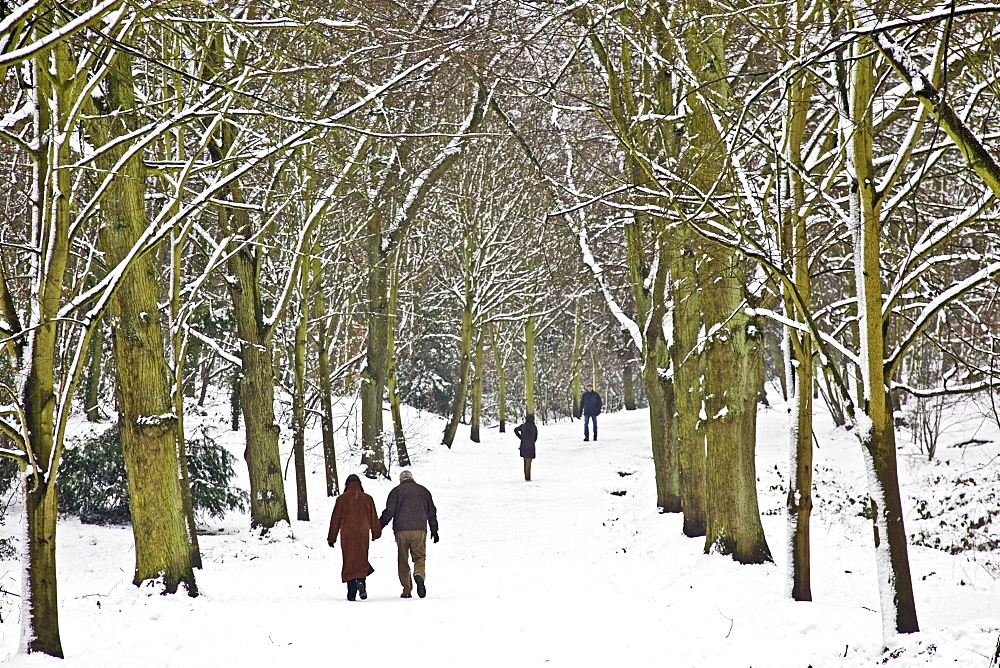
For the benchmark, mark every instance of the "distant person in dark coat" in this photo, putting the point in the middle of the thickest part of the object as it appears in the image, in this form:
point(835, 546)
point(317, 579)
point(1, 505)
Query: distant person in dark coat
point(354, 517)
point(590, 406)
point(411, 509)
point(528, 433)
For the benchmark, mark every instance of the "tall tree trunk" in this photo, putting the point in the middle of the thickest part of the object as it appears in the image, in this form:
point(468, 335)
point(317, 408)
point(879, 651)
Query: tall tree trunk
point(733, 362)
point(660, 392)
point(477, 387)
point(395, 405)
point(875, 430)
point(501, 382)
point(686, 360)
point(50, 212)
point(529, 365)
point(464, 365)
point(173, 146)
point(628, 386)
point(256, 387)
point(577, 360)
point(798, 505)
point(299, 399)
point(95, 371)
point(733, 357)
point(325, 390)
point(268, 505)
point(650, 308)
point(373, 378)
point(147, 422)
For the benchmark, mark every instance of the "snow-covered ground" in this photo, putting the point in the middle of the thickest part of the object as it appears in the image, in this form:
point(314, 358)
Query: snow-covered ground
point(575, 568)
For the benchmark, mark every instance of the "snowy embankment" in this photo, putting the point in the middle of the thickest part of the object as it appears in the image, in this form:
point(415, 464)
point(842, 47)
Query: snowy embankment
point(575, 568)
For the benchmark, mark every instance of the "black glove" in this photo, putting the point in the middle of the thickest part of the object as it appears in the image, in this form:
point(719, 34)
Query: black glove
point(331, 543)
point(434, 536)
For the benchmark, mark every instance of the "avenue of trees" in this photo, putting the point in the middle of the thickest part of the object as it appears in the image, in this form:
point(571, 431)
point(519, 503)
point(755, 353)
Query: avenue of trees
point(478, 208)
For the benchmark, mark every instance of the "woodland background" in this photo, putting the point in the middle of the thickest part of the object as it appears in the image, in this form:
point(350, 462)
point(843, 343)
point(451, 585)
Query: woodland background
point(474, 208)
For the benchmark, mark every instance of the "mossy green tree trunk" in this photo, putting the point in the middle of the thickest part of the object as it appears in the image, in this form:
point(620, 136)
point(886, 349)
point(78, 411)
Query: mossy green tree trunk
point(795, 256)
point(147, 421)
point(733, 357)
point(268, 505)
point(375, 374)
point(876, 431)
point(299, 398)
point(686, 359)
point(501, 381)
point(40, 603)
point(475, 419)
point(464, 353)
point(529, 365)
point(576, 381)
point(95, 372)
point(325, 389)
point(395, 404)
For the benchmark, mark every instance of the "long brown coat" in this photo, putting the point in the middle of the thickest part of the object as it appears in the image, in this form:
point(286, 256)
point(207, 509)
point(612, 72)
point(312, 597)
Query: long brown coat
point(354, 517)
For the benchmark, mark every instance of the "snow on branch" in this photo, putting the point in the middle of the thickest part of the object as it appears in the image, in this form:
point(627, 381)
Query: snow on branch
point(965, 388)
point(56, 36)
point(588, 259)
point(438, 166)
point(214, 345)
point(965, 139)
point(932, 309)
point(803, 327)
point(306, 233)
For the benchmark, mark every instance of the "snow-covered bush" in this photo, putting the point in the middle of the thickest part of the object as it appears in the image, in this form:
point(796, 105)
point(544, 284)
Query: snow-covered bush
point(962, 513)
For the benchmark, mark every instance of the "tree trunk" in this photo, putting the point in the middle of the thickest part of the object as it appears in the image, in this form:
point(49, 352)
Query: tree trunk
point(686, 360)
point(326, 393)
point(147, 422)
point(299, 399)
point(95, 370)
point(501, 382)
point(464, 364)
point(529, 365)
point(798, 505)
point(373, 378)
point(628, 387)
point(733, 362)
point(477, 388)
point(268, 505)
point(395, 405)
point(875, 429)
point(40, 602)
point(577, 361)
point(256, 390)
point(660, 391)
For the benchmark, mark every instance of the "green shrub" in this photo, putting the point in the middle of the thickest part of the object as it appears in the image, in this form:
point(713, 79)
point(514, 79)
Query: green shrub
point(92, 482)
point(210, 468)
point(93, 485)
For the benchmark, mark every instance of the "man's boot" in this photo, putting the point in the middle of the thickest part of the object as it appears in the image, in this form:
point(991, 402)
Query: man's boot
point(362, 589)
point(352, 589)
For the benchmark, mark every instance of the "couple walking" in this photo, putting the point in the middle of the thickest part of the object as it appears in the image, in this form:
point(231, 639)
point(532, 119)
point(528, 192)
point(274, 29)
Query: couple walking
point(409, 507)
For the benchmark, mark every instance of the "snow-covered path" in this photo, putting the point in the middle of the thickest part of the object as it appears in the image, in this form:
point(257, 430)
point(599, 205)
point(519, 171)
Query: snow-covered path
point(558, 571)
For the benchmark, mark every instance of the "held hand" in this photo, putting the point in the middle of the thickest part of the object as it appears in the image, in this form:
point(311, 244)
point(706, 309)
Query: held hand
point(331, 543)
point(434, 536)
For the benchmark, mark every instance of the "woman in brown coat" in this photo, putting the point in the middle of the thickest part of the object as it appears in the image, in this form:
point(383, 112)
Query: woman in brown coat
point(354, 517)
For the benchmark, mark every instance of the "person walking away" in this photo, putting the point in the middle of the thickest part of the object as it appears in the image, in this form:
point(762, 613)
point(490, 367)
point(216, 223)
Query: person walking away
point(411, 509)
point(590, 405)
point(354, 517)
point(528, 433)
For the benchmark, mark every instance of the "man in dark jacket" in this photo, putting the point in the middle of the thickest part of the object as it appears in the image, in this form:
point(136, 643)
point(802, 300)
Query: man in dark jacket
point(411, 509)
point(590, 405)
